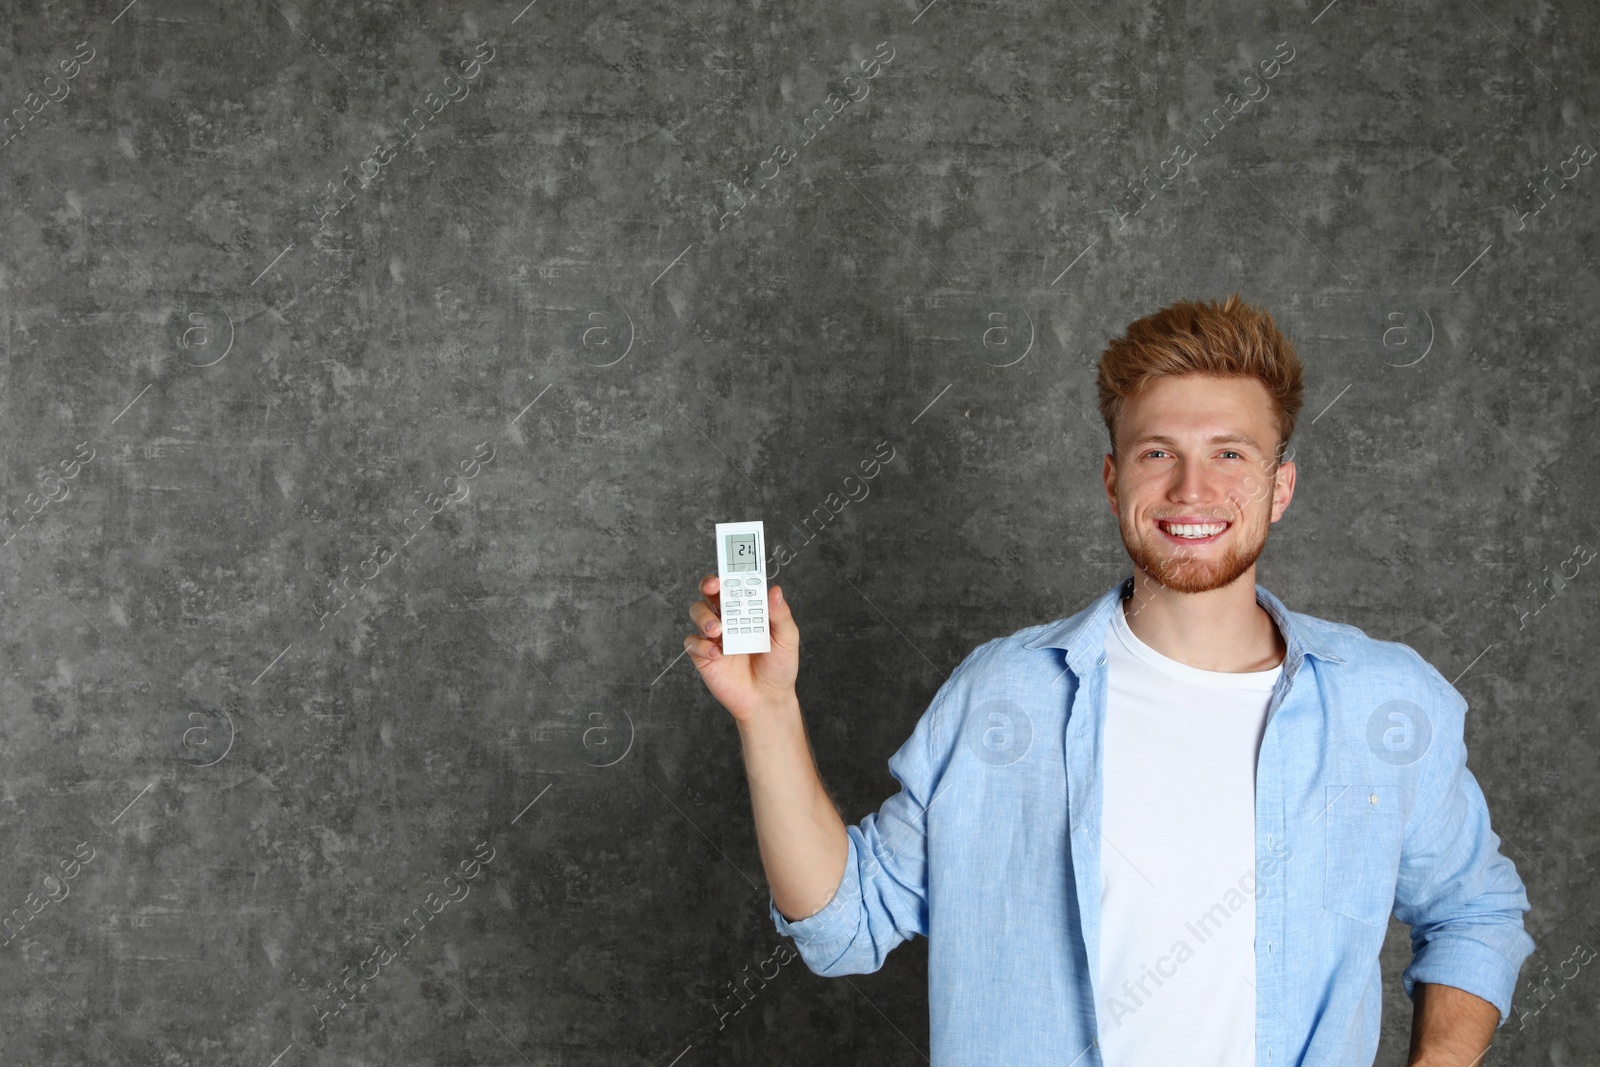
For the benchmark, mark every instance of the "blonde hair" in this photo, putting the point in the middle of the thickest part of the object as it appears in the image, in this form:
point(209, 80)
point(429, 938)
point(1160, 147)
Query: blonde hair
point(1227, 340)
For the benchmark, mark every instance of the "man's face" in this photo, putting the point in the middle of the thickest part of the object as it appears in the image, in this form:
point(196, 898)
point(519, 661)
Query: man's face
point(1197, 450)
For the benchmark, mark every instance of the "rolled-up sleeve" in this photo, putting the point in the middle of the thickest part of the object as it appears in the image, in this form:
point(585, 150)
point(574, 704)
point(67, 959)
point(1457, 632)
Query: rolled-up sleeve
point(882, 900)
point(1462, 899)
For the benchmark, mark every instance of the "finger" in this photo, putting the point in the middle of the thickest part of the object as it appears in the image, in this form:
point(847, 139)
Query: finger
point(701, 650)
point(781, 620)
point(711, 589)
point(705, 620)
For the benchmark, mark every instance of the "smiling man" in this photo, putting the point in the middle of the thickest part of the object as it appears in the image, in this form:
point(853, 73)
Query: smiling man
point(1170, 828)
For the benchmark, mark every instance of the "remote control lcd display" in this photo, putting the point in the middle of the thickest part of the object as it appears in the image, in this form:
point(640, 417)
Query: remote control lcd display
point(741, 552)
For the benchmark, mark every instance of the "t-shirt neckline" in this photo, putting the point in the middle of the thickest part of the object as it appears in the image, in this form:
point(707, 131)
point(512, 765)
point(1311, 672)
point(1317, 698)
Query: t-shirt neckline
point(1183, 671)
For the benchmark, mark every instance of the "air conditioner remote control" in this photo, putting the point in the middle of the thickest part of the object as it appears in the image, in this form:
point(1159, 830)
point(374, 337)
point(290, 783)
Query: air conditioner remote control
point(741, 548)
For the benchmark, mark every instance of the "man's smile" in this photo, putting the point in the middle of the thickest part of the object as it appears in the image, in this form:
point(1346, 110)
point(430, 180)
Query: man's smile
point(1194, 532)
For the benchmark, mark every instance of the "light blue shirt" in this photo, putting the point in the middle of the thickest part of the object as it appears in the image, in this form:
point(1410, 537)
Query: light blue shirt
point(991, 849)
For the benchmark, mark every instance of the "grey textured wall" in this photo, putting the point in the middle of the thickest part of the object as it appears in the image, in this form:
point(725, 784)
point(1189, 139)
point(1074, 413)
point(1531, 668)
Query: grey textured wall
point(374, 375)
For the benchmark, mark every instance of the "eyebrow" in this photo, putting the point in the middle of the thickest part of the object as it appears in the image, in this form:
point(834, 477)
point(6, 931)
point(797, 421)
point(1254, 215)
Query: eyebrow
point(1215, 439)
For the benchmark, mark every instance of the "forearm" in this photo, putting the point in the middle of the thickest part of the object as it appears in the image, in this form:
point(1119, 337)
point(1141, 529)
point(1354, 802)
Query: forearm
point(803, 842)
point(1449, 1027)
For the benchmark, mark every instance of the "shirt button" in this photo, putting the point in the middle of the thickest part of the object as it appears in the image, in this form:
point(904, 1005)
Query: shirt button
point(1373, 799)
point(1102, 661)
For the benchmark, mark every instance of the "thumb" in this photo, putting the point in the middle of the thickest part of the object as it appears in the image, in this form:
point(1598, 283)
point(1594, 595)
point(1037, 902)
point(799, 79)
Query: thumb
point(783, 628)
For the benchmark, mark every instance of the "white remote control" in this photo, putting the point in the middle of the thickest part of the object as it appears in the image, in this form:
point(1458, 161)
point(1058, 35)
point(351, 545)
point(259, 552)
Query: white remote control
point(741, 548)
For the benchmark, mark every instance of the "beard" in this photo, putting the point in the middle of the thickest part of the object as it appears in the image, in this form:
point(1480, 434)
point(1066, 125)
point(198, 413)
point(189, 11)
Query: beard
point(1185, 570)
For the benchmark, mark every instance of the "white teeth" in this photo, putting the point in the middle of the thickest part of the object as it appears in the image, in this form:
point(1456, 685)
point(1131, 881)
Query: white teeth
point(1194, 529)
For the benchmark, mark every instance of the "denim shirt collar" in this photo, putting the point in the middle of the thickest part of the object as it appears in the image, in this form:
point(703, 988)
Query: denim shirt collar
point(1082, 636)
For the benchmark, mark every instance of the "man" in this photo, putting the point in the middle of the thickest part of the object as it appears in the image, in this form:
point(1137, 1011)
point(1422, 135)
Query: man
point(1169, 829)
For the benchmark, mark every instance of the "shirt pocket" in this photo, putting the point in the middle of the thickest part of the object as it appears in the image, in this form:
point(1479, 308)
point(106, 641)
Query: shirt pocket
point(1364, 832)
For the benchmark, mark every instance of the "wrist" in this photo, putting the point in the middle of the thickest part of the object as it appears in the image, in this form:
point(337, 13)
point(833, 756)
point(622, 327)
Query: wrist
point(777, 722)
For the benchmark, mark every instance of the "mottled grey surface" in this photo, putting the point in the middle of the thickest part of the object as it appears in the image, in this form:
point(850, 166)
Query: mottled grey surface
point(502, 393)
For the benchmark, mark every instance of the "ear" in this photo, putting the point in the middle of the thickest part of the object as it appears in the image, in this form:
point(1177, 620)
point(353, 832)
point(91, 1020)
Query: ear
point(1108, 474)
point(1283, 489)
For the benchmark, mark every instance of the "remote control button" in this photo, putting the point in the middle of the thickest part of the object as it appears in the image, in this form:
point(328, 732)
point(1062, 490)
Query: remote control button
point(752, 581)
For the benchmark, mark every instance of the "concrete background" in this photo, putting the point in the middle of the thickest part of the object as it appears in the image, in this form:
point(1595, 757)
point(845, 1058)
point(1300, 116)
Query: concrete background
point(503, 393)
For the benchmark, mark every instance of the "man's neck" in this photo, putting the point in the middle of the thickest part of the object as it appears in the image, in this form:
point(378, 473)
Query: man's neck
point(1220, 630)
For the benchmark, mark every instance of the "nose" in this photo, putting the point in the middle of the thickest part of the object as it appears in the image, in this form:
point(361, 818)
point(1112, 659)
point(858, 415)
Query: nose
point(1190, 484)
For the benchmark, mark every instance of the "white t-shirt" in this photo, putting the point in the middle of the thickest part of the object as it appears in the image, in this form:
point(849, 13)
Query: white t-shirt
point(1177, 887)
